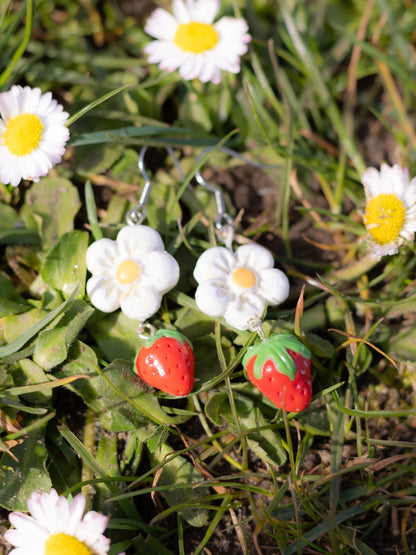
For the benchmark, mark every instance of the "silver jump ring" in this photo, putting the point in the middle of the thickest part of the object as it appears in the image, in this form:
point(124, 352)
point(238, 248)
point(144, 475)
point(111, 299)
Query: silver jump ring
point(145, 330)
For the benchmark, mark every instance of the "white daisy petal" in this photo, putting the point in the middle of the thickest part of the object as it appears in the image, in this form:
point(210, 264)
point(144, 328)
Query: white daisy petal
point(161, 24)
point(189, 41)
point(54, 519)
point(204, 10)
point(390, 215)
point(30, 119)
point(75, 513)
point(34, 531)
point(180, 11)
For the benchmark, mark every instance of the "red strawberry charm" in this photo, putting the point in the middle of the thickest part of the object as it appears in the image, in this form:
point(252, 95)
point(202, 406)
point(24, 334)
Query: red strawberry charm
point(280, 367)
point(166, 362)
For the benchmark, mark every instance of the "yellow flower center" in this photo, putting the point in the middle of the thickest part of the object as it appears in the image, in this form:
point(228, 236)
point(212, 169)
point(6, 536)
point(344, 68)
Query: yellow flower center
point(244, 278)
point(127, 272)
point(23, 134)
point(62, 544)
point(384, 217)
point(196, 37)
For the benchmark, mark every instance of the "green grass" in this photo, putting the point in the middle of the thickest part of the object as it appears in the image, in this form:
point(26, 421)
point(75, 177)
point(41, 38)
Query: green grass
point(326, 89)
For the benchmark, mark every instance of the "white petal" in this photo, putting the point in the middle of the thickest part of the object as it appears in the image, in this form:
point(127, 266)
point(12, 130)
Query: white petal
point(135, 240)
point(192, 68)
point(161, 25)
point(180, 11)
point(30, 100)
point(241, 310)
point(140, 303)
point(212, 297)
point(25, 527)
point(254, 256)
point(161, 271)
point(204, 11)
point(104, 293)
point(75, 514)
point(102, 256)
point(216, 262)
point(42, 506)
point(274, 286)
point(371, 181)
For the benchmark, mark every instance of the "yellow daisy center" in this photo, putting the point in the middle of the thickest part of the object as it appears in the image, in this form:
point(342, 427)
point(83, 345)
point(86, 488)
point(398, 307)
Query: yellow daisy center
point(62, 544)
point(127, 272)
point(23, 134)
point(384, 217)
point(244, 278)
point(196, 37)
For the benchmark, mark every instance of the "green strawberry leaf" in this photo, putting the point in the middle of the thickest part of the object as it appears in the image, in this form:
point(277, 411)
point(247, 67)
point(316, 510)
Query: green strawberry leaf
point(167, 333)
point(275, 349)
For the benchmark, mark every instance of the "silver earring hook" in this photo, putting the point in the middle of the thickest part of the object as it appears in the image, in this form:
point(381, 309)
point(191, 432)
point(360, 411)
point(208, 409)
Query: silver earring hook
point(136, 215)
point(224, 222)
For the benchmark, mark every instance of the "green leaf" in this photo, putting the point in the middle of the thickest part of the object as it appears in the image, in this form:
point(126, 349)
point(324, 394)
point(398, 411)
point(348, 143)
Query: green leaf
point(24, 337)
point(8, 290)
point(56, 201)
point(266, 443)
point(65, 264)
point(8, 216)
point(34, 374)
point(180, 471)
point(17, 236)
point(116, 336)
point(402, 343)
point(8, 307)
point(52, 345)
point(19, 478)
point(96, 160)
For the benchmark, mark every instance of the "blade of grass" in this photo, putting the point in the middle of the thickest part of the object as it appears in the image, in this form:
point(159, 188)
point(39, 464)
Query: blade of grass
point(92, 211)
point(90, 460)
point(311, 69)
point(22, 47)
point(11, 348)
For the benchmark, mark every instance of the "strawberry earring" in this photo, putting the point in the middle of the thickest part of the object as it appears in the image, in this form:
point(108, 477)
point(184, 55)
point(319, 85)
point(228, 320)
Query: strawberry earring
point(133, 273)
point(238, 285)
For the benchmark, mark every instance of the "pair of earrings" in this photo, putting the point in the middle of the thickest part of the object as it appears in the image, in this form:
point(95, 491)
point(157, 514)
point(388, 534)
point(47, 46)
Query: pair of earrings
point(135, 271)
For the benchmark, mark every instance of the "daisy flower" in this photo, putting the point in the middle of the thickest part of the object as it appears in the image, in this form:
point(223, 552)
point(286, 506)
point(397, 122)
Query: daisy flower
point(190, 41)
point(32, 134)
point(390, 214)
point(133, 272)
point(57, 527)
point(238, 285)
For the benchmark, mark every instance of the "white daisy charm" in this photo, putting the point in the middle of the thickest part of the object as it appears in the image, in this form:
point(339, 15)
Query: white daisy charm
point(132, 273)
point(190, 41)
point(390, 214)
point(32, 134)
point(238, 285)
point(57, 527)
